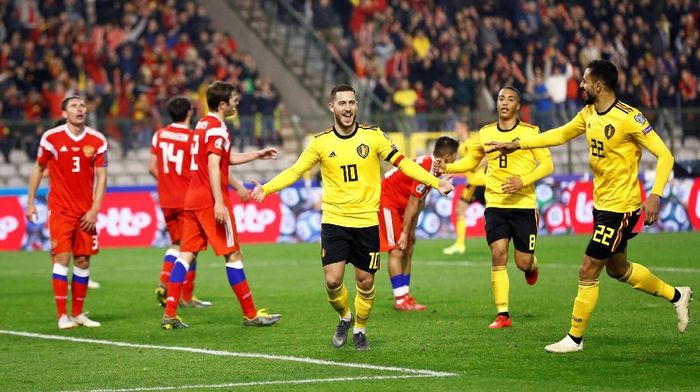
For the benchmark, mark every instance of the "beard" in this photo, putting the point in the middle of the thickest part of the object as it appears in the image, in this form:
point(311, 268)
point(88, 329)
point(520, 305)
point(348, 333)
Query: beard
point(339, 120)
point(589, 100)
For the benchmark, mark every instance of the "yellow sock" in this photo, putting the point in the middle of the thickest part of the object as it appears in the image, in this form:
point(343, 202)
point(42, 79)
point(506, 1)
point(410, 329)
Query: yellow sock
point(461, 230)
point(639, 277)
point(364, 300)
point(584, 304)
point(500, 286)
point(338, 298)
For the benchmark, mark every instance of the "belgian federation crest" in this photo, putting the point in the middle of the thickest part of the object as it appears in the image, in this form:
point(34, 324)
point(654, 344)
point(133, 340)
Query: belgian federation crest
point(609, 131)
point(363, 150)
point(89, 151)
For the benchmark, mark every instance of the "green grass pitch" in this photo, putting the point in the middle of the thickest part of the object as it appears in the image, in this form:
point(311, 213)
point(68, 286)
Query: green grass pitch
point(631, 344)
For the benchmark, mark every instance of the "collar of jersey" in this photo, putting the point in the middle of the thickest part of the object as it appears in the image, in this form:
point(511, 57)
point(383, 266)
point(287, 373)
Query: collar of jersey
point(346, 136)
point(74, 137)
point(608, 109)
point(508, 130)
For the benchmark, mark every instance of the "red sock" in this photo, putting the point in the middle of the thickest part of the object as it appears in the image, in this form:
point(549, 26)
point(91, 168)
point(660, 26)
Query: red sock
point(168, 263)
point(175, 288)
point(79, 288)
point(60, 287)
point(188, 286)
point(246, 299)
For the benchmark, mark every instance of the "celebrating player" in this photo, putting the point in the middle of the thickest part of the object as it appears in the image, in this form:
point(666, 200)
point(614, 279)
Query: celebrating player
point(76, 158)
point(349, 154)
point(616, 133)
point(402, 201)
point(511, 206)
point(208, 211)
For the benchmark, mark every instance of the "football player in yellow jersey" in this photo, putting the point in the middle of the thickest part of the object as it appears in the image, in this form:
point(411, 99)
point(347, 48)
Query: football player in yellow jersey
point(349, 155)
point(474, 191)
point(511, 206)
point(616, 133)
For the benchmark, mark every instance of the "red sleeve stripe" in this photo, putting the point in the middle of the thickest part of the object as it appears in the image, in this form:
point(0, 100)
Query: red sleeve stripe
point(398, 160)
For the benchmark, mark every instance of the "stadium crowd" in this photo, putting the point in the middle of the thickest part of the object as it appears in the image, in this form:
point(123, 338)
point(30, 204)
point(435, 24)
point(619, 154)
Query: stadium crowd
point(437, 56)
point(127, 59)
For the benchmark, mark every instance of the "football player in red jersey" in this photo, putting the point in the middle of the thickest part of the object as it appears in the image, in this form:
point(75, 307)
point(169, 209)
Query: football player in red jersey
point(402, 200)
point(208, 214)
point(76, 156)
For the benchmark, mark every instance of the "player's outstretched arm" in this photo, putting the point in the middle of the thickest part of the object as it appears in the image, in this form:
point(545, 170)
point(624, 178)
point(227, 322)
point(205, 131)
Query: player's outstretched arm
point(445, 186)
point(258, 193)
point(502, 147)
point(664, 165)
point(245, 157)
point(241, 190)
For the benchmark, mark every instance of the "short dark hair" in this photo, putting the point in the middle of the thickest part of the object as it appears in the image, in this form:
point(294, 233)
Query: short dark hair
point(513, 89)
point(59, 122)
point(178, 108)
point(68, 98)
point(445, 145)
point(340, 88)
point(218, 92)
point(604, 71)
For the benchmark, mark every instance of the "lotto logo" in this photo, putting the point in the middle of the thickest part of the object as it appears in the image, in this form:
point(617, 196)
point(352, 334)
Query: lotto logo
point(8, 224)
point(250, 219)
point(122, 222)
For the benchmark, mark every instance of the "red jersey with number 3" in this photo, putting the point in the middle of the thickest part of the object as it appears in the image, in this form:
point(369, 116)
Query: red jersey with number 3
point(71, 160)
point(171, 147)
point(397, 187)
point(210, 137)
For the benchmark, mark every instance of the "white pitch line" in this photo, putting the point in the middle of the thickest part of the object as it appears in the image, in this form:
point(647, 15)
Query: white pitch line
point(447, 263)
point(255, 383)
point(421, 372)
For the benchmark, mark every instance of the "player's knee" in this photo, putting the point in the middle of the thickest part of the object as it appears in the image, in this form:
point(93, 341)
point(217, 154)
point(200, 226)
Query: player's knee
point(333, 282)
point(590, 269)
point(81, 262)
point(365, 283)
point(499, 256)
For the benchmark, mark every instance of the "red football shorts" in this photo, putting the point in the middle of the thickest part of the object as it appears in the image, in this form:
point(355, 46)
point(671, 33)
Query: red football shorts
point(200, 227)
point(390, 228)
point(174, 219)
point(67, 236)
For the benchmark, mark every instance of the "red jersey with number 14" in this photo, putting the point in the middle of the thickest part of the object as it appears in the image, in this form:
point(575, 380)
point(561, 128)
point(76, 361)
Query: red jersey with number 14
point(210, 137)
point(171, 146)
point(71, 160)
point(397, 187)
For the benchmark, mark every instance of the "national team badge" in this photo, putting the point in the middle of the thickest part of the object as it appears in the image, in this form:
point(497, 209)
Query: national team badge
point(640, 118)
point(89, 151)
point(363, 150)
point(609, 131)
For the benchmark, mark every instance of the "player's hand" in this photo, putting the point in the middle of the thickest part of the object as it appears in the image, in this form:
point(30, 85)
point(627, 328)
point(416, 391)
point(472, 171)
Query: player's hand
point(403, 241)
point(650, 208)
point(268, 153)
point(512, 185)
point(503, 148)
point(89, 221)
point(243, 194)
point(220, 213)
point(446, 186)
point(438, 167)
point(258, 194)
point(31, 213)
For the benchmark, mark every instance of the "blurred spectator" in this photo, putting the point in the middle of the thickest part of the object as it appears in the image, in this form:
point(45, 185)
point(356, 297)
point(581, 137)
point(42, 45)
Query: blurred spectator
point(267, 100)
point(405, 98)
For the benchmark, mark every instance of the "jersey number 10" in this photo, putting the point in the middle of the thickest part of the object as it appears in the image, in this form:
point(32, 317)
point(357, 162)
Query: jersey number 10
point(349, 173)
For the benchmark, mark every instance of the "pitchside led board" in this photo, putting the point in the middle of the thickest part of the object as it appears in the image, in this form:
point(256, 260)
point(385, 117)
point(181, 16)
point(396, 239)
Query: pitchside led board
point(130, 217)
